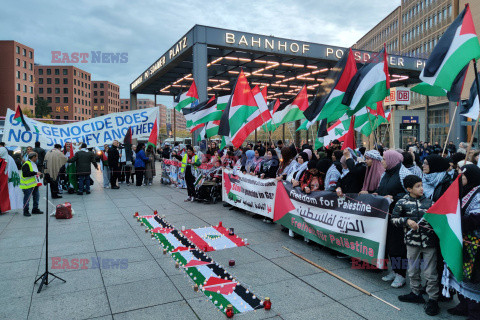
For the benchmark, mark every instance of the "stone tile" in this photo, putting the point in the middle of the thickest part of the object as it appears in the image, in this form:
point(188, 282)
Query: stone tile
point(119, 242)
point(184, 285)
point(259, 273)
point(75, 305)
point(296, 266)
point(331, 286)
point(146, 293)
point(21, 254)
point(15, 288)
point(15, 308)
point(71, 248)
point(332, 310)
point(134, 271)
point(175, 310)
point(134, 254)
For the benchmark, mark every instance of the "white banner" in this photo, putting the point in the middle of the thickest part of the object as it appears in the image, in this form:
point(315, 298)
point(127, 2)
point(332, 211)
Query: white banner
point(94, 132)
point(249, 192)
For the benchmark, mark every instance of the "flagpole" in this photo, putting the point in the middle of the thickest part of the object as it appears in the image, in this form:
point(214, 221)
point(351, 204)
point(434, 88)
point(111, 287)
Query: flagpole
point(371, 125)
point(450, 129)
point(478, 117)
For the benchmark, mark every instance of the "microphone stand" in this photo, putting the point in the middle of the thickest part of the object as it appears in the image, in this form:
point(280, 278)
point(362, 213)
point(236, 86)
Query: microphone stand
point(44, 276)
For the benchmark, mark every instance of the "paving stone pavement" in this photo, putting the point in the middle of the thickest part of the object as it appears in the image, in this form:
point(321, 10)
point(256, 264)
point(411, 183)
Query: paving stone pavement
point(146, 284)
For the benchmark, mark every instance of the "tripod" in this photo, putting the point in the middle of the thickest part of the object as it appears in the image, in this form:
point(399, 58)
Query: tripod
point(44, 276)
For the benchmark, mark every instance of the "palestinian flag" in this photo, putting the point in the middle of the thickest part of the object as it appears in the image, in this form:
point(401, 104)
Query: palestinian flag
point(334, 132)
point(349, 140)
point(211, 129)
point(445, 218)
point(370, 84)
point(290, 110)
point(19, 118)
point(368, 119)
point(202, 113)
point(472, 103)
point(152, 140)
point(187, 98)
point(241, 113)
point(222, 102)
point(213, 238)
point(458, 45)
point(453, 94)
point(327, 103)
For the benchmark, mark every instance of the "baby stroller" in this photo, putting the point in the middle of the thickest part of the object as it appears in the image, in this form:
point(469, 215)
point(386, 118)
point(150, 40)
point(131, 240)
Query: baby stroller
point(209, 187)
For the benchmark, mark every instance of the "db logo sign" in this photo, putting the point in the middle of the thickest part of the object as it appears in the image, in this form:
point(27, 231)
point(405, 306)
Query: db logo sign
point(403, 95)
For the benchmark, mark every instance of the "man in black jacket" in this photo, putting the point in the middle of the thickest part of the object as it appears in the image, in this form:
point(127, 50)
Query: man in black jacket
point(41, 155)
point(113, 163)
point(83, 158)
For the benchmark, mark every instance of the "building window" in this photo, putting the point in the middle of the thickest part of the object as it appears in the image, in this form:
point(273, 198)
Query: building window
point(57, 90)
point(65, 109)
point(40, 72)
point(57, 99)
point(95, 100)
point(18, 62)
point(30, 54)
point(24, 100)
point(65, 80)
point(57, 81)
point(65, 90)
point(101, 101)
point(94, 93)
point(94, 85)
point(31, 101)
point(65, 117)
point(25, 88)
point(75, 100)
point(65, 72)
point(24, 52)
point(57, 72)
point(49, 99)
point(40, 90)
point(49, 90)
point(31, 89)
point(101, 85)
point(31, 78)
point(18, 51)
point(18, 99)
point(49, 71)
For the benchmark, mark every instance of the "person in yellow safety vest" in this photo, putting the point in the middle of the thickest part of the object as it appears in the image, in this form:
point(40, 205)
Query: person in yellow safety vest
point(28, 183)
point(190, 159)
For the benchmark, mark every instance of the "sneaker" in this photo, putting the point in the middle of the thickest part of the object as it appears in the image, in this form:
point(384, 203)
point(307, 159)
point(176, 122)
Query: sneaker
point(412, 298)
point(398, 282)
point(192, 199)
point(128, 183)
point(188, 199)
point(149, 183)
point(116, 187)
point(107, 187)
point(37, 211)
point(389, 277)
point(432, 308)
point(27, 214)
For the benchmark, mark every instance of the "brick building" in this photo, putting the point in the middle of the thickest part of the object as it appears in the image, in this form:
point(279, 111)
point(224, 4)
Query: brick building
point(105, 98)
point(67, 89)
point(124, 104)
point(17, 81)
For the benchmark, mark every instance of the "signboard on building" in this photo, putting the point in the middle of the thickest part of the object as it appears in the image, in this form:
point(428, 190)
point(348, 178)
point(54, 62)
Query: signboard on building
point(399, 96)
point(410, 119)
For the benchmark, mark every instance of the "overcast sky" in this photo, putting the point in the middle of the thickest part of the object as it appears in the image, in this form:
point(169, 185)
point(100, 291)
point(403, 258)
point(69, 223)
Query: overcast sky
point(146, 29)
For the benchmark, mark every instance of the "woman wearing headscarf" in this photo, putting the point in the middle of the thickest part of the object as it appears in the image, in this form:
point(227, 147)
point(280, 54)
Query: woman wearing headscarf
point(351, 180)
point(257, 160)
point(374, 171)
point(469, 289)
point(410, 165)
point(288, 164)
point(302, 160)
point(437, 176)
point(249, 163)
point(311, 180)
point(334, 171)
point(391, 187)
point(269, 165)
point(150, 166)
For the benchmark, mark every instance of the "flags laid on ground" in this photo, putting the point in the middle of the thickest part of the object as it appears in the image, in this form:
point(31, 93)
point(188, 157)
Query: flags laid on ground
point(458, 45)
point(370, 84)
point(290, 110)
point(19, 118)
point(327, 103)
point(187, 98)
point(472, 103)
point(240, 116)
point(152, 140)
point(445, 218)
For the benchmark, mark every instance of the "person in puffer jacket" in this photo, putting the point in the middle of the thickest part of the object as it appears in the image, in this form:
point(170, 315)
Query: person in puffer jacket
point(421, 242)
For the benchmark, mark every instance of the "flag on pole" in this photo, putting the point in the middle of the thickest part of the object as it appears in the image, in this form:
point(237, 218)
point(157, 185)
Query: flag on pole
point(327, 103)
point(334, 132)
point(290, 110)
point(201, 113)
point(19, 118)
point(152, 140)
point(472, 103)
point(458, 45)
point(261, 99)
point(240, 114)
point(370, 84)
point(349, 141)
point(222, 102)
point(187, 98)
point(445, 218)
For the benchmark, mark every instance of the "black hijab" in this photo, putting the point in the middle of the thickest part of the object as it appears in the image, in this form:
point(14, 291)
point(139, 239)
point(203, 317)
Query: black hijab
point(437, 163)
point(472, 173)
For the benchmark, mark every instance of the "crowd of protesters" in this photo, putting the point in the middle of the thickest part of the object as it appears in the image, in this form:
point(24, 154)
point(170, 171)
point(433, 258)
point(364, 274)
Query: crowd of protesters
point(411, 179)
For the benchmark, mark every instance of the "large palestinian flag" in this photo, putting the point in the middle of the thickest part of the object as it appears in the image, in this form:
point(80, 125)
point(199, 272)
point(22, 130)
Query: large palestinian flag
point(213, 280)
point(446, 220)
point(201, 113)
point(187, 98)
point(370, 84)
point(241, 114)
point(327, 103)
point(290, 110)
point(458, 45)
